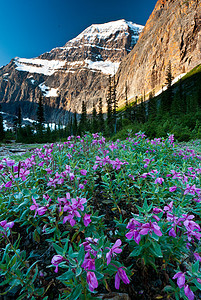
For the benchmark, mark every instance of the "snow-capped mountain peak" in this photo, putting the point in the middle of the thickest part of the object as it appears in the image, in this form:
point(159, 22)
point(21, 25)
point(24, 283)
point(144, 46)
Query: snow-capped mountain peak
point(104, 31)
point(67, 75)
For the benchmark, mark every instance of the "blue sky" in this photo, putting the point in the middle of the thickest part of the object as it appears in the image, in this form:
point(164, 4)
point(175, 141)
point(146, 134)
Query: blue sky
point(29, 28)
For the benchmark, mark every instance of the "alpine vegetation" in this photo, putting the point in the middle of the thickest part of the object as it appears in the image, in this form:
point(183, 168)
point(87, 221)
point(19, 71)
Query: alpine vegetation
point(85, 218)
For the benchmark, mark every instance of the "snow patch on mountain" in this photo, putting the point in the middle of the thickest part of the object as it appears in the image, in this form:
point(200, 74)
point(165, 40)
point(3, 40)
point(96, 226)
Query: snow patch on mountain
point(40, 66)
point(47, 91)
point(106, 67)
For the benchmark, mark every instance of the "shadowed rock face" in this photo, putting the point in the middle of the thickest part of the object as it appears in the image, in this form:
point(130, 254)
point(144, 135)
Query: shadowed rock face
point(70, 74)
point(173, 32)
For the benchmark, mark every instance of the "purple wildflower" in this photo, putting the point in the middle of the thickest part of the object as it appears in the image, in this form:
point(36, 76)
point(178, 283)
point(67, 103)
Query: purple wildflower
point(172, 232)
point(92, 281)
point(115, 249)
point(121, 275)
point(180, 279)
point(197, 256)
point(88, 263)
point(87, 220)
point(149, 227)
point(8, 184)
point(83, 172)
point(6, 224)
point(159, 180)
point(134, 227)
point(189, 294)
point(56, 260)
point(10, 163)
point(168, 207)
point(172, 188)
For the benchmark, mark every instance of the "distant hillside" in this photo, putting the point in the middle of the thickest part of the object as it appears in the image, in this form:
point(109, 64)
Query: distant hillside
point(183, 117)
point(172, 33)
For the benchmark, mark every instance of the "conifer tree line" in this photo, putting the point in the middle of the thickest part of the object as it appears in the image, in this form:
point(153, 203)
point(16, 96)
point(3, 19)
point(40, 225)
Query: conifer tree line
point(140, 113)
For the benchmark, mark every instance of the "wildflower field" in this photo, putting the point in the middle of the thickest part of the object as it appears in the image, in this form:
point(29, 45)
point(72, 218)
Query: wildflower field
point(88, 218)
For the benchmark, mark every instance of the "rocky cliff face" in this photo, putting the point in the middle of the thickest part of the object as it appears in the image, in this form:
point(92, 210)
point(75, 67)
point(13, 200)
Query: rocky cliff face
point(173, 32)
point(70, 74)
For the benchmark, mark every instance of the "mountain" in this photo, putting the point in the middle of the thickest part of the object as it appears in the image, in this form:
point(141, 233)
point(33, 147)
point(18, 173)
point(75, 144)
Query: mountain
point(172, 33)
point(70, 74)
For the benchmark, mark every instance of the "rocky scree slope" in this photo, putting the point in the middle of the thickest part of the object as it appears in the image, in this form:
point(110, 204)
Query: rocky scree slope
point(70, 74)
point(172, 33)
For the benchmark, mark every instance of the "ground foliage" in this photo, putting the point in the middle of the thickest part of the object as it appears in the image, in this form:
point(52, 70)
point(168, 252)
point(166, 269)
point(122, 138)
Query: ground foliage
point(90, 217)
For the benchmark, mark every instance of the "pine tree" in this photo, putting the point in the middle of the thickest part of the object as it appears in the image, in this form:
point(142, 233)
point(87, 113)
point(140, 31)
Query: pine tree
point(126, 101)
point(180, 100)
point(83, 120)
point(94, 119)
point(133, 114)
point(169, 93)
point(115, 104)
point(19, 117)
point(141, 114)
point(40, 112)
point(109, 107)
point(75, 123)
point(2, 132)
point(152, 107)
point(198, 83)
point(70, 126)
point(101, 123)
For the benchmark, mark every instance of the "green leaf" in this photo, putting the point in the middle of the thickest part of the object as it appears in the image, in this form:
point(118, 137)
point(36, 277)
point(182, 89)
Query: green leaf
point(156, 249)
point(136, 252)
point(78, 271)
point(66, 276)
point(49, 230)
point(168, 288)
point(81, 254)
point(76, 292)
point(29, 269)
point(23, 296)
point(66, 246)
point(58, 249)
point(198, 285)
point(35, 275)
point(98, 275)
point(195, 267)
point(36, 236)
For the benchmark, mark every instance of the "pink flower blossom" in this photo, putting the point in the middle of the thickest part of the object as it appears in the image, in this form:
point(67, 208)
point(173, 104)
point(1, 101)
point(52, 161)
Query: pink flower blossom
point(169, 207)
point(121, 275)
point(10, 163)
point(189, 294)
point(83, 172)
point(172, 188)
point(87, 220)
point(92, 281)
point(115, 249)
point(6, 224)
point(197, 256)
point(56, 260)
point(157, 210)
point(149, 228)
point(134, 227)
point(159, 180)
point(172, 232)
point(180, 279)
point(88, 263)
point(8, 184)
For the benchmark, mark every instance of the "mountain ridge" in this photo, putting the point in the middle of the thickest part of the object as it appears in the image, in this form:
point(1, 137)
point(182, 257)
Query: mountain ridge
point(70, 74)
point(172, 33)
